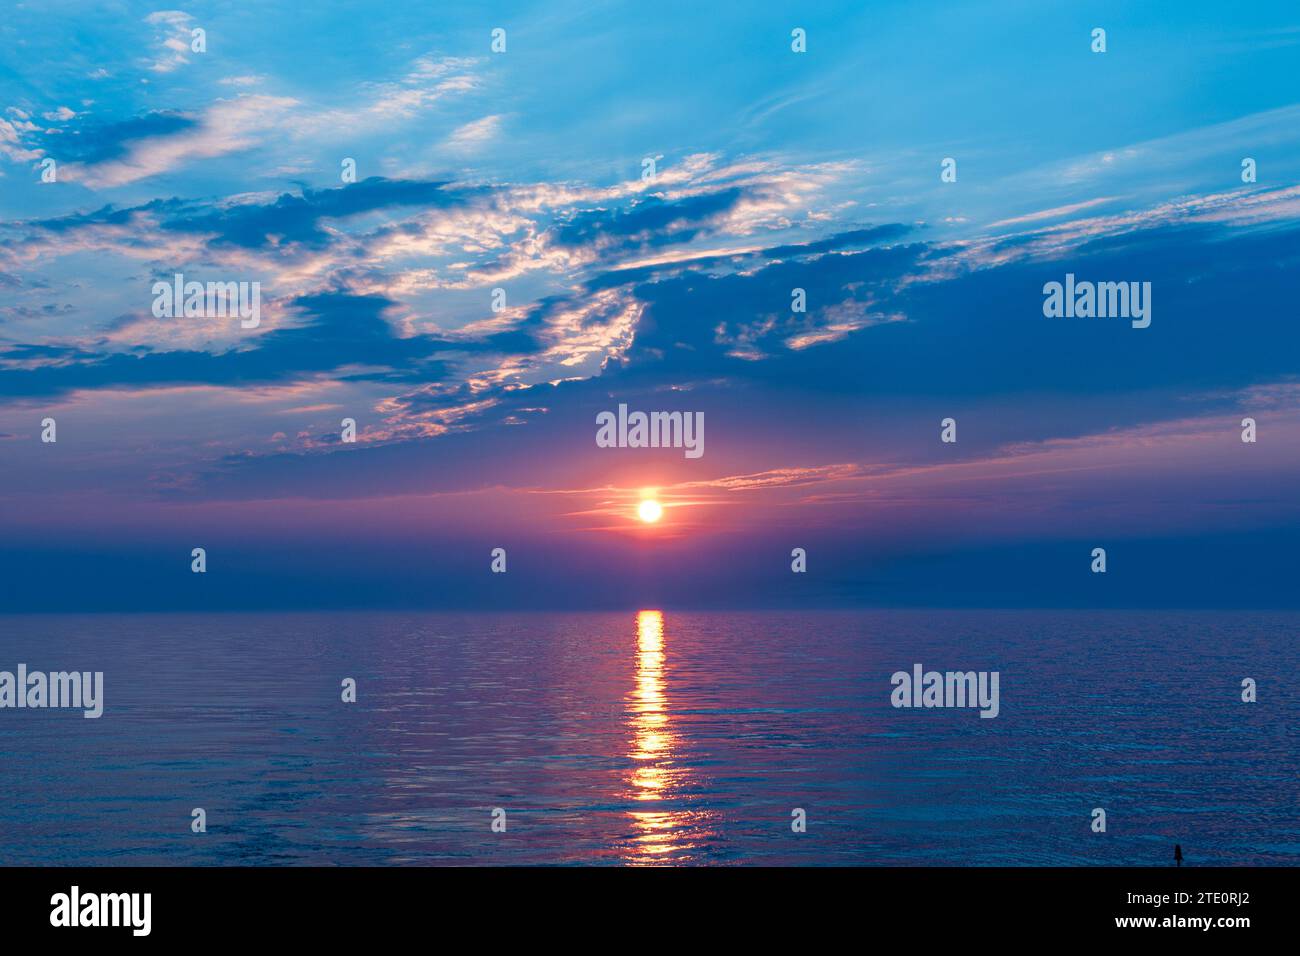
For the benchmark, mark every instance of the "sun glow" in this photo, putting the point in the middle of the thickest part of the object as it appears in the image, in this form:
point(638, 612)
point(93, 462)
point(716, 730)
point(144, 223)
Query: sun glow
point(650, 511)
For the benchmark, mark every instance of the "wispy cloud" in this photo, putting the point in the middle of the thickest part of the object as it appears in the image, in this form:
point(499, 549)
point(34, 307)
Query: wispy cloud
point(475, 134)
point(228, 126)
point(172, 38)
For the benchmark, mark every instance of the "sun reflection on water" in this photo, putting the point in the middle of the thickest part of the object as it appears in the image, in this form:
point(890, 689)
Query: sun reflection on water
point(656, 780)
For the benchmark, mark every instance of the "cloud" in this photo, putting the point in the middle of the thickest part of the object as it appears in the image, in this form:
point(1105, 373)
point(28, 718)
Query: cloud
point(475, 134)
point(889, 314)
point(116, 153)
point(1058, 212)
point(12, 135)
point(428, 80)
point(172, 37)
point(873, 334)
point(299, 219)
point(160, 143)
point(340, 333)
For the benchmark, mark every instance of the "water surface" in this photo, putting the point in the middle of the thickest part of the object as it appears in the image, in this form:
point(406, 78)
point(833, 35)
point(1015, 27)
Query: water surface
point(654, 737)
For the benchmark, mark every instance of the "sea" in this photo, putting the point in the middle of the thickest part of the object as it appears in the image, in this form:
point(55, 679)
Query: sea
point(653, 736)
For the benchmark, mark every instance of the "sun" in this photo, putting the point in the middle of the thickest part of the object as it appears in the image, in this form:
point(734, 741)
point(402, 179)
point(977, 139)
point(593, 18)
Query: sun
point(650, 511)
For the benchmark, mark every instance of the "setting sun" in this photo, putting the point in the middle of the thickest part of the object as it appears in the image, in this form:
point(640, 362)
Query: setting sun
point(650, 511)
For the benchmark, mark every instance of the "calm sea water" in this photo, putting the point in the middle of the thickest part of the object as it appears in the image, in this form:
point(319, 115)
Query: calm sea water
point(654, 738)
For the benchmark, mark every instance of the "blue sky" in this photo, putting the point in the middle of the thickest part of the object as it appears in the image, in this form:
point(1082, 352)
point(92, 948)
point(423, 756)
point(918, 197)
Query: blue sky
point(522, 171)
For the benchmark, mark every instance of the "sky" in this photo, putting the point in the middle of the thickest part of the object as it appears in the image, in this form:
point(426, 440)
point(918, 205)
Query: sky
point(615, 209)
